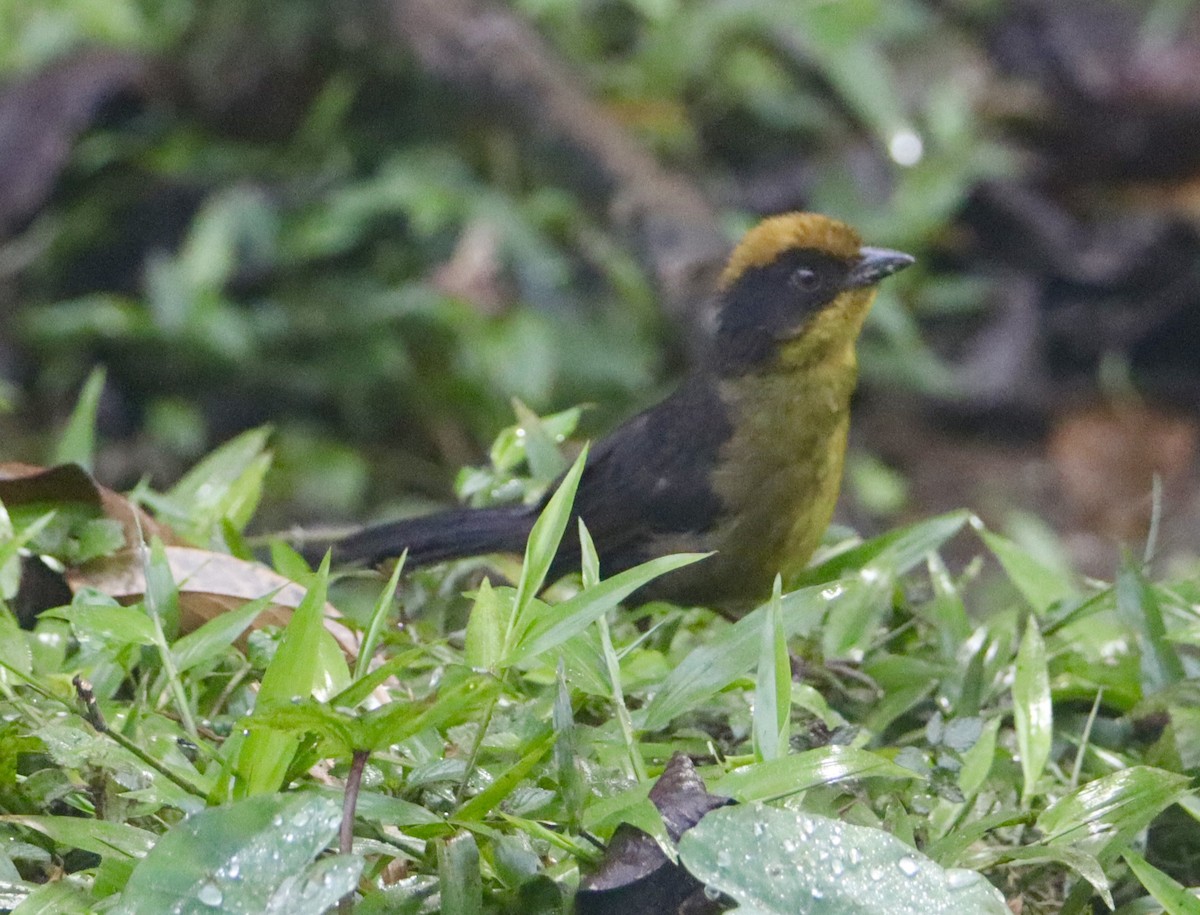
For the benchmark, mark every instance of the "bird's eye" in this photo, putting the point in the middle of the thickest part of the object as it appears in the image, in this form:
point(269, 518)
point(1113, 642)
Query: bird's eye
point(805, 279)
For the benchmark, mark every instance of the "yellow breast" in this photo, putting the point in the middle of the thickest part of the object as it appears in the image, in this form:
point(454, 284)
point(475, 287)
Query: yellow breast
point(782, 469)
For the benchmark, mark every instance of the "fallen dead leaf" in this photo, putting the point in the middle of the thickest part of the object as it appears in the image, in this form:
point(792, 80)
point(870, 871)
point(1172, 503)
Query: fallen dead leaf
point(209, 584)
point(28, 484)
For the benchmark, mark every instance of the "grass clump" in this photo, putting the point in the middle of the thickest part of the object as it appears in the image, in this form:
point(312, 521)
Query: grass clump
point(1004, 720)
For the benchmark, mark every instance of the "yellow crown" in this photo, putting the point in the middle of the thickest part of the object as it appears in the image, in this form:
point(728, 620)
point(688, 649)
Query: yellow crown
point(773, 236)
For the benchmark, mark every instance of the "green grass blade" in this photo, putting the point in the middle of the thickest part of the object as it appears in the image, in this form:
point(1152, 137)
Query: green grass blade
point(1105, 814)
point(896, 551)
point(1174, 897)
point(543, 544)
point(1032, 711)
point(1138, 605)
point(378, 619)
point(298, 668)
point(77, 444)
point(798, 772)
point(494, 794)
point(772, 692)
point(555, 624)
point(99, 837)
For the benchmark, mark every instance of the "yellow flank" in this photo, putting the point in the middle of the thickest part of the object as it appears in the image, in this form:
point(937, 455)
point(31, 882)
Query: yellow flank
point(773, 236)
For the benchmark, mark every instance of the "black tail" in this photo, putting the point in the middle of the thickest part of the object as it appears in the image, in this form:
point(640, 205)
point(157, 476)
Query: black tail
point(438, 537)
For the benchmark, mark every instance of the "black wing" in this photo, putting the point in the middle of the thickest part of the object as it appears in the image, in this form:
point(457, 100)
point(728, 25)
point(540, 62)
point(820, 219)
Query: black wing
point(650, 478)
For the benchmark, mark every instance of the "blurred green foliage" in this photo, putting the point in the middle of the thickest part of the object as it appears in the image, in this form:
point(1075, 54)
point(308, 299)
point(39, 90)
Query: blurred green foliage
point(358, 257)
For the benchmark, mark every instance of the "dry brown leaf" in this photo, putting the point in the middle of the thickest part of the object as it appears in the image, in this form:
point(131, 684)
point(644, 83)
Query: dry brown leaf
point(25, 484)
point(209, 584)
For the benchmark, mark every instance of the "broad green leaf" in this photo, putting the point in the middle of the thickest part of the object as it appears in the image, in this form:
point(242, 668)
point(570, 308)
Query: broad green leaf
point(784, 862)
point(510, 447)
point(485, 630)
point(252, 856)
point(115, 625)
point(316, 890)
point(541, 445)
point(1041, 585)
point(225, 485)
point(216, 636)
point(100, 837)
point(732, 652)
point(459, 876)
point(1103, 815)
point(1032, 710)
point(810, 769)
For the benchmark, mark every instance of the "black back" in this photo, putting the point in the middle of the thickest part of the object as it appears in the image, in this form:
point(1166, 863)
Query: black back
point(650, 477)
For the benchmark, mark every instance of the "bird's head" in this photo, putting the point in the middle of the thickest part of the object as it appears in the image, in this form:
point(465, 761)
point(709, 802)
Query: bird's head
point(796, 285)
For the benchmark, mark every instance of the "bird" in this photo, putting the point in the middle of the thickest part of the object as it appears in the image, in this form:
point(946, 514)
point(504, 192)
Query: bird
point(744, 460)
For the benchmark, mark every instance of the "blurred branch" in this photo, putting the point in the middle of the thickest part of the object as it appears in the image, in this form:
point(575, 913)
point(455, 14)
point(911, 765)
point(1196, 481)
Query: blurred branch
point(42, 115)
point(490, 52)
